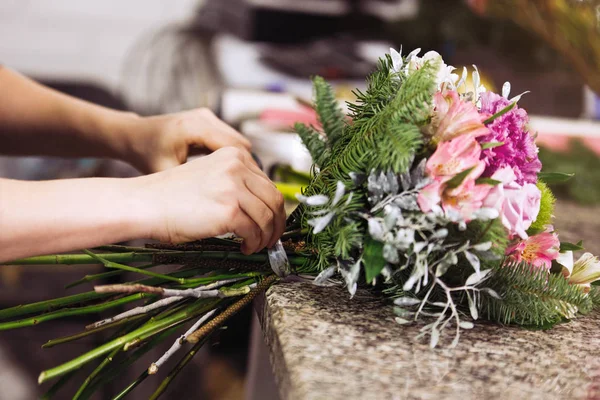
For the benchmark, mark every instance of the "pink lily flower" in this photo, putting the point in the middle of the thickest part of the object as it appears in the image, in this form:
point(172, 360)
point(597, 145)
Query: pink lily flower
point(455, 156)
point(537, 250)
point(465, 199)
point(453, 117)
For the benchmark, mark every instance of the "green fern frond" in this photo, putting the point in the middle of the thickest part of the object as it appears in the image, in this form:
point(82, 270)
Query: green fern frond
point(314, 142)
point(532, 297)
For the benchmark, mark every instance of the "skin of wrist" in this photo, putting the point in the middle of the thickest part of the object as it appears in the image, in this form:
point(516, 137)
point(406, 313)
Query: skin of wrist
point(121, 132)
point(144, 216)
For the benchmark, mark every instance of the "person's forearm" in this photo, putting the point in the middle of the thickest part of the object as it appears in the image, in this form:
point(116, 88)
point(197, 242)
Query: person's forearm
point(36, 120)
point(54, 216)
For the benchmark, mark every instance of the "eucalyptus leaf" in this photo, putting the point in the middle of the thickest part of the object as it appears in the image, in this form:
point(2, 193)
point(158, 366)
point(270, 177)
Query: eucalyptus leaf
point(477, 277)
point(466, 325)
point(324, 276)
point(492, 293)
point(474, 261)
point(339, 193)
point(321, 223)
point(472, 307)
point(316, 200)
point(435, 337)
point(406, 301)
point(485, 246)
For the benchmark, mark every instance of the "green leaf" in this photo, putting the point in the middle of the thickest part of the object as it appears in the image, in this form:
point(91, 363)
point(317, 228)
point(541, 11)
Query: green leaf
point(535, 231)
point(487, 181)
point(566, 246)
point(554, 177)
point(491, 145)
point(500, 113)
point(373, 258)
point(458, 178)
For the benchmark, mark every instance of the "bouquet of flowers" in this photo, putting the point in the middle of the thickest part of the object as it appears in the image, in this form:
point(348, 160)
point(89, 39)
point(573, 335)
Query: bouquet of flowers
point(429, 193)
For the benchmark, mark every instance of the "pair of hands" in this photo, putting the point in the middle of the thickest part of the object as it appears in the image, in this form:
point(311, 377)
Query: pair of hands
point(220, 193)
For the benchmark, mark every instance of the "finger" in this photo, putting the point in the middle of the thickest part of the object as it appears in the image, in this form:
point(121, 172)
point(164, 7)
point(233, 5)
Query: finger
point(253, 166)
point(244, 227)
point(223, 135)
point(267, 193)
point(261, 214)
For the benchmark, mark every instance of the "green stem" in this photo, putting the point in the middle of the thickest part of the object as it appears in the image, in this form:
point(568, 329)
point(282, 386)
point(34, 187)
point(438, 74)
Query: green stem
point(117, 370)
point(49, 304)
point(70, 259)
point(114, 248)
point(71, 338)
point(104, 275)
point(87, 296)
point(294, 234)
point(69, 312)
point(122, 267)
point(146, 330)
point(121, 395)
point(50, 393)
point(175, 371)
point(95, 373)
point(170, 257)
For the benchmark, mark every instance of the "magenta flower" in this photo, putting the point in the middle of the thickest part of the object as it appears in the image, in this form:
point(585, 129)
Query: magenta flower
point(519, 151)
point(453, 117)
point(537, 250)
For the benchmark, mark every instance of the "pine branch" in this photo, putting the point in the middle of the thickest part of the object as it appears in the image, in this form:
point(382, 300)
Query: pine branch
point(314, 142)
point(533, 297)
point(330, 115)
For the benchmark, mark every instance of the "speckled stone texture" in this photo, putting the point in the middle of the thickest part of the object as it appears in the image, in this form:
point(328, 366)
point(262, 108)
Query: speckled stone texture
point(326, 346)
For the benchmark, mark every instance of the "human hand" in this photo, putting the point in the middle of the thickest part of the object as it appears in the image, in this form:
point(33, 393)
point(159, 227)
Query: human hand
point(216, 194)
point(164, 141)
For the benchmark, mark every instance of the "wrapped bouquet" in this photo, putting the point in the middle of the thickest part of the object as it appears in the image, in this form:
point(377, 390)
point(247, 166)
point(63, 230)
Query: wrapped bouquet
point(430, 193)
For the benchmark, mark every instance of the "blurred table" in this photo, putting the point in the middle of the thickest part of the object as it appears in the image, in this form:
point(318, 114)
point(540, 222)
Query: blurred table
point(323, 345)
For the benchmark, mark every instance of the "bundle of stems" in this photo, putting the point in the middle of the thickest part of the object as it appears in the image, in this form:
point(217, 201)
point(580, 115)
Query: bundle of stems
point(210, 281)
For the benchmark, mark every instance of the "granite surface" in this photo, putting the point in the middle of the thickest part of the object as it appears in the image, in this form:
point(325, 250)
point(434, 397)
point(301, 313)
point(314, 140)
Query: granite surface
point(325, 346)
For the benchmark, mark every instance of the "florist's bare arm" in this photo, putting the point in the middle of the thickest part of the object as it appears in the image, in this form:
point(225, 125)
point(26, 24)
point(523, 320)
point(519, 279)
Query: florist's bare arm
point(222, 192)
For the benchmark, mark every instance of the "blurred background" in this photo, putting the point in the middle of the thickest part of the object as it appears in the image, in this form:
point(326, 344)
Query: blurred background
point(250, 62)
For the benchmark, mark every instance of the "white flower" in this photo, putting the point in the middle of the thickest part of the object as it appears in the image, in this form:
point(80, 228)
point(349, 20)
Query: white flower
point(565, 260)
point(413, 63)
point(585, 271)
point(396, 60)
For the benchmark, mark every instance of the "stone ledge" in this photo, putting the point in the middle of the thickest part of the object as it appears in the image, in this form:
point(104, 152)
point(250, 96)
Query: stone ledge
point(325, 346)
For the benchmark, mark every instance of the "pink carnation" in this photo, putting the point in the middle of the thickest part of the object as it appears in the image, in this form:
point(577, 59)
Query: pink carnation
point(537, 250)
point(518, 151)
